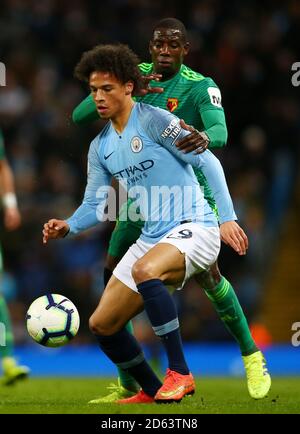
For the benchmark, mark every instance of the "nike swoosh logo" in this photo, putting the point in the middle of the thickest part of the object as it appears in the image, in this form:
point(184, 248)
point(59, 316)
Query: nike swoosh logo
point(174, 392)
point(107, 156)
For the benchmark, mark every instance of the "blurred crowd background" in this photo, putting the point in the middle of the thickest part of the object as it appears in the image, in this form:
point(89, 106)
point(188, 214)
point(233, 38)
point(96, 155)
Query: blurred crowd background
point(248, 48)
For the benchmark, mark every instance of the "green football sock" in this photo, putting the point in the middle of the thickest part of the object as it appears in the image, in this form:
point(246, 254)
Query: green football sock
point(126, 379)
point(5, 327)
point(231, 313)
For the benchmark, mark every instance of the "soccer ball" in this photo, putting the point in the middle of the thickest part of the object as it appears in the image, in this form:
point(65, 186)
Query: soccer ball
point(52, 320)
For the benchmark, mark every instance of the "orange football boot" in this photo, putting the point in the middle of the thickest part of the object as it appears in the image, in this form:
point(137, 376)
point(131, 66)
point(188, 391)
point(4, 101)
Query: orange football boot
point(175, 387)
point(140, 398)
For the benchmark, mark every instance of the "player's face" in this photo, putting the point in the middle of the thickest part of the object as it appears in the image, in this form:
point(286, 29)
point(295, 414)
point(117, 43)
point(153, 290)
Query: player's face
point(168, 49)
point(109, 94)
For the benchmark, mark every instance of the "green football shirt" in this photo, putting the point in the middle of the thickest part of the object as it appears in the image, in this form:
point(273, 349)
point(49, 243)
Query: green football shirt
point(188, 95)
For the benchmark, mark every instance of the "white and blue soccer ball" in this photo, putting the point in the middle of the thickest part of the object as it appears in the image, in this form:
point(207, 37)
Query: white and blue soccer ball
point(52, 320)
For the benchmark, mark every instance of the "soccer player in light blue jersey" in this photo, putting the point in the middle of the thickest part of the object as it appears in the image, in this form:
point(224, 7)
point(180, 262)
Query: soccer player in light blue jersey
point(180, 237)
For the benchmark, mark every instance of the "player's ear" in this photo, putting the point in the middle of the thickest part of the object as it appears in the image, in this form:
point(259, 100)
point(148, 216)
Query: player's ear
point(129, 87)
point(186, 48)
point(150, 47)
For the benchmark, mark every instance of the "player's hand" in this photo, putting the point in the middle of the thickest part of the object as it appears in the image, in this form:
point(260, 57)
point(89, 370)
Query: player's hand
point(234, 236)
point(55, 229)
point(146, 88)
point(12, 218)
point(197, 141)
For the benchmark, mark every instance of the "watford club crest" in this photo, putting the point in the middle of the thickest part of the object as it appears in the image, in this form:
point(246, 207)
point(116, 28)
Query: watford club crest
point(172, 104)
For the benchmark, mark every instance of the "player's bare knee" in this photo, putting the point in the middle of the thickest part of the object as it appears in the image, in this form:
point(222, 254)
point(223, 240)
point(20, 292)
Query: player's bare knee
point(98, 327)
point(93, 325)
point(142, 271)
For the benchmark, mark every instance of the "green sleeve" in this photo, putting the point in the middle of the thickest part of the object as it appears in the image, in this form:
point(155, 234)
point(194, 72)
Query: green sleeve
point(85, 112)
point(215, 127)
point(208, 102)
point(2, 149)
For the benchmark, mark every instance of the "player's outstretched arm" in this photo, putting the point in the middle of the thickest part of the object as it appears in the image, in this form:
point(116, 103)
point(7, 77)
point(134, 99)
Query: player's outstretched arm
point(54, 229)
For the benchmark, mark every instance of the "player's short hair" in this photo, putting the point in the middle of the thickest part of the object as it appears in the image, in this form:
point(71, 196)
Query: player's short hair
point(117, 59)
point(171, 23)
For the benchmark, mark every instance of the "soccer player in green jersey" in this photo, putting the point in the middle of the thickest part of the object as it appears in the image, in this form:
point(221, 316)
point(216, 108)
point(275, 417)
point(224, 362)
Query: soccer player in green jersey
point(197, 100)
point(12, 220)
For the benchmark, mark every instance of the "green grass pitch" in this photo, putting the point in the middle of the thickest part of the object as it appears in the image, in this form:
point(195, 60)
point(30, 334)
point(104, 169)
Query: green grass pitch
point(213, 395)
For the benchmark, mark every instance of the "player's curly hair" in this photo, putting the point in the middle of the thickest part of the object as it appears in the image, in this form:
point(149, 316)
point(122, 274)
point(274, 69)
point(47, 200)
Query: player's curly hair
point(117, 59)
